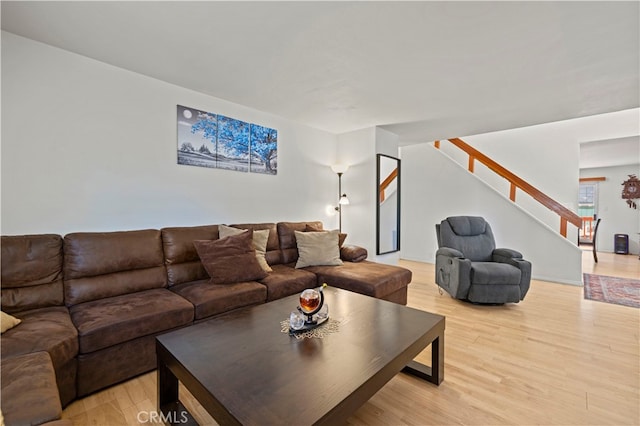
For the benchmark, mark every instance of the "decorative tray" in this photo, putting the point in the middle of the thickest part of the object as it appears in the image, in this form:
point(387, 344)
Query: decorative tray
point(308, 326)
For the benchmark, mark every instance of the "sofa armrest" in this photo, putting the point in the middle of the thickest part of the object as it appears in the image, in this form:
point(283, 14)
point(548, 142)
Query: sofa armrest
point(449, 252)
point(351, 253)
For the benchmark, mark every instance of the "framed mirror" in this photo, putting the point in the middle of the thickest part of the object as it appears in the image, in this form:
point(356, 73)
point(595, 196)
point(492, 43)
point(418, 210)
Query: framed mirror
point(388, 204)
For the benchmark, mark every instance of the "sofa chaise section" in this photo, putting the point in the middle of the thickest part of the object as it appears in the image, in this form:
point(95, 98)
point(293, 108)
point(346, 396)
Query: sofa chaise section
point(29, 391)
point(115, 289)
point(388, 282)
point(32, 291)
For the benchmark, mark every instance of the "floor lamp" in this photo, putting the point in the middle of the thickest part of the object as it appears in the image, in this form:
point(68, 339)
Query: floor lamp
point(339, 169)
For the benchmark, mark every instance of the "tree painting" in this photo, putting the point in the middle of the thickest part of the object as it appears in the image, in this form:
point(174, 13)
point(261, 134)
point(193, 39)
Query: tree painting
point(264, 150)
point(213, 140)
point(196, 137)
point(233, 144)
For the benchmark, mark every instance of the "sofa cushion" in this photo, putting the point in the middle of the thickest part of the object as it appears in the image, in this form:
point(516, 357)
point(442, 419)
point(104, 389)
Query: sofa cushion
point(317, 248)
point(214, 299)
point(100, 265)
point(45, 329)
point(29, 392)
point(31, 272)
point(231, 259)
point(487, 273)
point(369, 278)
point(181, 258)
point(287, 236)
point(260, 238)
point(107, 322)
point(285, 280)
point(7, 322)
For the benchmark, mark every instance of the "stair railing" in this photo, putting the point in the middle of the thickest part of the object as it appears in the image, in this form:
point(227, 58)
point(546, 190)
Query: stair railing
point(385, 183)
point(566, 215)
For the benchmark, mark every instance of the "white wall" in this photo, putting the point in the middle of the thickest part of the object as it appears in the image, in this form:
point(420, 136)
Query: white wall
point(435, 187)
point(358, 218)
point(358, 149)
point(617, 217)
point(91, 147)
point(546, 156)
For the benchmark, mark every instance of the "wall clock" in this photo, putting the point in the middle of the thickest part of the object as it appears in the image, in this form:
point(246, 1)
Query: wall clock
point(631, 191)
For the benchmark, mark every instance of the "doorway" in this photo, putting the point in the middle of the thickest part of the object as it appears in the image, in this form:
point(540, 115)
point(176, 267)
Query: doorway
point(587, 210)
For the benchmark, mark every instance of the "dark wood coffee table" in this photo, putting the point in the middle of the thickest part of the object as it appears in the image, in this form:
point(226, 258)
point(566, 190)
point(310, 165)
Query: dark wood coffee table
point(244, 370)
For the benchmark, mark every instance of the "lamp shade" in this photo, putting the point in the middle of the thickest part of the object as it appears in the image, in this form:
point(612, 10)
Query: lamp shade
point(340, 168)
point(343, 200)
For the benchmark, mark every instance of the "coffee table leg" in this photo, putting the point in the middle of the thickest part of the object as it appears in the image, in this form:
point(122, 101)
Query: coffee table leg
point(435, 373)
point(171, 409)
point(167, 386)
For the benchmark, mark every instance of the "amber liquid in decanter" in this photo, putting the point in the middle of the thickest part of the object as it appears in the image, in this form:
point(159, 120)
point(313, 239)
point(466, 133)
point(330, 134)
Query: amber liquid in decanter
point(309, 301)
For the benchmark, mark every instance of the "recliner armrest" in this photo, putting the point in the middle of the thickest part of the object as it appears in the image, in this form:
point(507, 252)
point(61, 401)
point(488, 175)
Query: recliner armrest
point(449, 252)
point(504, 255)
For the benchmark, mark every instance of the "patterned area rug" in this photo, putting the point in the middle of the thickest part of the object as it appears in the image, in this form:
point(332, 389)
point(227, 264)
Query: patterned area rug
point(621, 291)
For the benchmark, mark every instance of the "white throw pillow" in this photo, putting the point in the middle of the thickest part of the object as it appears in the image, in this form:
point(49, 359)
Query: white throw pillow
point(318, 248)
point(260, 239)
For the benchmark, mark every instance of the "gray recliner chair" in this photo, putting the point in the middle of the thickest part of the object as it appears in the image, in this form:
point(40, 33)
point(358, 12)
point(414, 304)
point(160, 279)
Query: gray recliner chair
point(470, 267)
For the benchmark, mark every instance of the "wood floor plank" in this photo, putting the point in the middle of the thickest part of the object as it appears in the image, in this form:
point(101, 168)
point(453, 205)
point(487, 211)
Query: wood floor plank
point(553, 359)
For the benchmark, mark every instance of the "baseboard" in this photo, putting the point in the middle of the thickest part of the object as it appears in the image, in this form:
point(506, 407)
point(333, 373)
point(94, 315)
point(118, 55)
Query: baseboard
point(558, 281)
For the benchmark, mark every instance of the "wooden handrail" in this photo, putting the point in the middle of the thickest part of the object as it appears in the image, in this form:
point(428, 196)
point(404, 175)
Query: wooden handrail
point(385, 183)
point(565, 214)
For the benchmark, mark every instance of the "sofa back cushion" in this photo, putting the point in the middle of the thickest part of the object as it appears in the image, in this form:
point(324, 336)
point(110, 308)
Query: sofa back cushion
point(105, 264)
point(31, 272)
point(273, 254)
point(287, 236)
point(180, 255)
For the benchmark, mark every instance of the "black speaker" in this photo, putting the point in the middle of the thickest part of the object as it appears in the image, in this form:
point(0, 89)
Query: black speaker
point(621, 243)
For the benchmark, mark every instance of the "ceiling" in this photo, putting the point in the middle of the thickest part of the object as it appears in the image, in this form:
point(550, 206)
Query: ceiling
point(423, 70)
point(610, 152)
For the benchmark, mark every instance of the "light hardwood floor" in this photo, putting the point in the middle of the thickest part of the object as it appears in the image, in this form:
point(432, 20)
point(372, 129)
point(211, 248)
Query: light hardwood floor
point(554, 359)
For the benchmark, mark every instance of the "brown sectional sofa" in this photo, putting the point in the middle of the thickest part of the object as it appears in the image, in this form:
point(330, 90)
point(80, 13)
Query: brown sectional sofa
point(91, 304)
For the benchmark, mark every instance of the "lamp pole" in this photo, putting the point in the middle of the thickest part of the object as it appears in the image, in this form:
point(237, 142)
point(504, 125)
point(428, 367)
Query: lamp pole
point(339, 205)
point(339, 169)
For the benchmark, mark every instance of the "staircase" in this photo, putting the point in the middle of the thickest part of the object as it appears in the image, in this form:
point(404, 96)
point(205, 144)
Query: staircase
point(566, 216)
point(437, 183)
